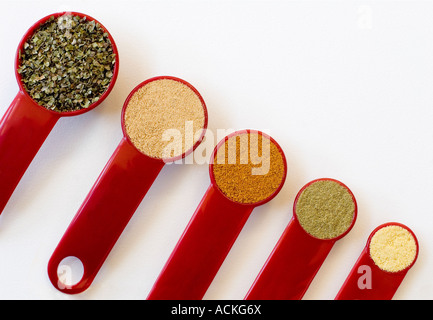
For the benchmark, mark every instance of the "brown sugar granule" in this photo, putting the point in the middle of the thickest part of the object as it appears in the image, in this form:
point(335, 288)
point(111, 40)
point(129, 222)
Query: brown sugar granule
point(248, 168)
point(393, 248)
point(325, 209)
point(159, 115)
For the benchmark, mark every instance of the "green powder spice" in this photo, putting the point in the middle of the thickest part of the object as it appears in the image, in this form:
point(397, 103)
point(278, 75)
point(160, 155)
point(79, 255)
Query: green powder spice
point(325, 209)
point(67, 64)
point(248, 168)
point(393, 248)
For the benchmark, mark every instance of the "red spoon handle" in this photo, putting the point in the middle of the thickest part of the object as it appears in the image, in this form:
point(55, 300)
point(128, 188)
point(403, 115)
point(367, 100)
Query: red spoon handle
point(291, 266)
point(366, 281)
point(23, 130)
point(105, 212)
point(202, 248)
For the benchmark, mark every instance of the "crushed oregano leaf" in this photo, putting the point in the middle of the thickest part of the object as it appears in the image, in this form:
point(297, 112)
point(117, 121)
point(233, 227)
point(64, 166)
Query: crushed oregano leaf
point(67, 64)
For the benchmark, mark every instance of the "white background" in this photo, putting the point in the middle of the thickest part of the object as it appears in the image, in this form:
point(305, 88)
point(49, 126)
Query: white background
point(345, 87)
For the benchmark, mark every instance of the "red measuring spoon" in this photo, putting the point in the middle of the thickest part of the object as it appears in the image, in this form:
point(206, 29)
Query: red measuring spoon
point(25, 125)
point(295, 260)
point(207, 239)
point(109, 206)
point(366, 281)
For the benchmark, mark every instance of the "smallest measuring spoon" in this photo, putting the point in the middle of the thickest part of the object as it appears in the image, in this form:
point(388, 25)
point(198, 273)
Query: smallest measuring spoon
point(391, 251)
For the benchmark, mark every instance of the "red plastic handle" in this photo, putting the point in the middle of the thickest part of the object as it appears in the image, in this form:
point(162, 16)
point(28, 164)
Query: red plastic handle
point(366, 281)
point(23, 130)
point(105, 213)
point(291, 267)
point(202, 248)
point(26, 125)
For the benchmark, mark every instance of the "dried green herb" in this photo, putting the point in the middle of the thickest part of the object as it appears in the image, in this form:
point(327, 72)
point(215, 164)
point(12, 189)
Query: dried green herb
point(67, 64)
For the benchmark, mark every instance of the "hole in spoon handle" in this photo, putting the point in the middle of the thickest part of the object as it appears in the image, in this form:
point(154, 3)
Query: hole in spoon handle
point(105, 213)
point(291, 266)
point(201, 249)
point(23, 130)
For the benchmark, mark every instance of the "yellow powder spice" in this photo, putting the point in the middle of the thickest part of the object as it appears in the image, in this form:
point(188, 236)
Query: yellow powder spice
point(164, 118)
point(325, 209)
point(393, 248)
point(248, 168)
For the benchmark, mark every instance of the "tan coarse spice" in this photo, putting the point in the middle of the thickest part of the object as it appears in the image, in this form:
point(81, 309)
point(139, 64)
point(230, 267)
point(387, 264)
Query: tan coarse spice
point(157, 116)
point(250, 169)
point(325, 209)
point(393, 248)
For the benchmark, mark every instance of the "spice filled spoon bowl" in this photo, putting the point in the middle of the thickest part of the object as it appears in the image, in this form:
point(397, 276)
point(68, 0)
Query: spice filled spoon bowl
point(390, 252)
point(324, 211)
point(65, 65)
point(163, 120)
point(247, 169)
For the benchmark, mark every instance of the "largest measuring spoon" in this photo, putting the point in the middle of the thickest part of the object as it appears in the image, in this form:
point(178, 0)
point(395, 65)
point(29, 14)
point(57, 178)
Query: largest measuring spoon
point(25, 125)
point(120, 188)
